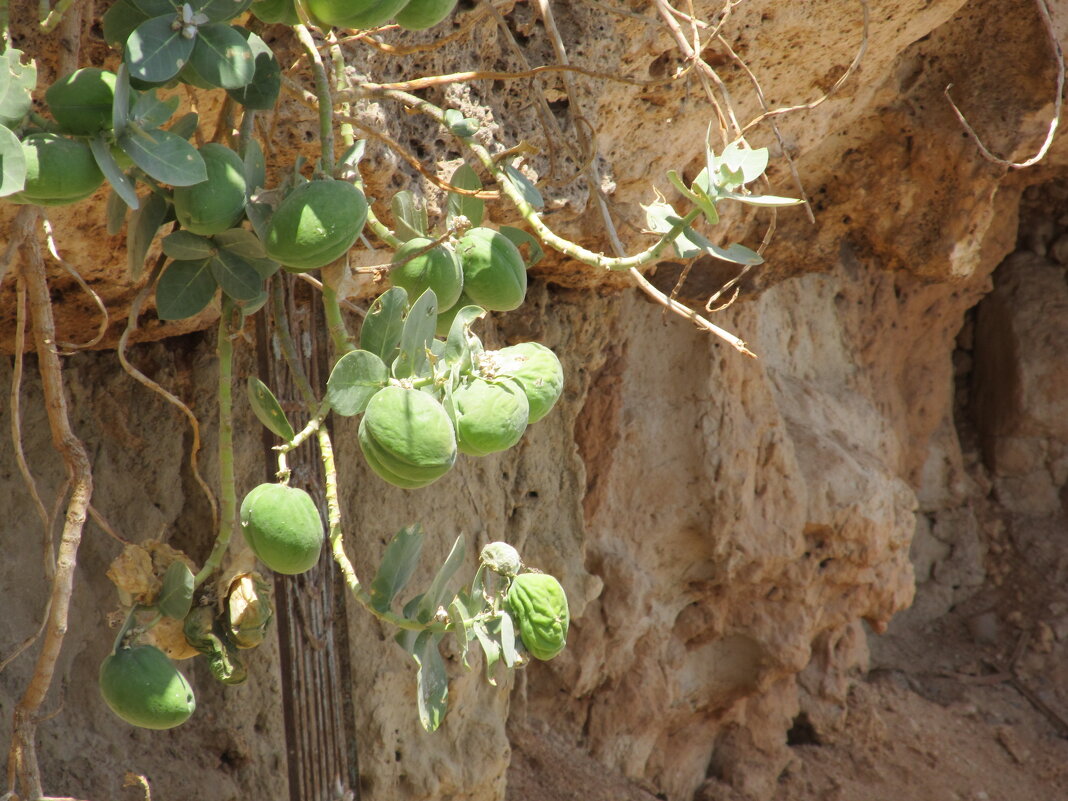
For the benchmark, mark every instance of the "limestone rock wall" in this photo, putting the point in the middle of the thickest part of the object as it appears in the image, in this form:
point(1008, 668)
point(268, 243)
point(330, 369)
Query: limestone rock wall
point(731, 532)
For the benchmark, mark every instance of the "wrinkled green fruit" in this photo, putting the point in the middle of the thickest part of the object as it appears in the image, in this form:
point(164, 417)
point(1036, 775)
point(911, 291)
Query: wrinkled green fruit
point(58, 171)
point(438, 269)
point(539, 606)
point(357, 14)
point(217, 204)
point(283, 528)
point(495, 276)
point(491, 416)
point(537, 370)
point(500, 557)
point(316, 224)
point(143, 687)
point(280, 11)
point(81, 101)
point(407, 437)
point(419, 15)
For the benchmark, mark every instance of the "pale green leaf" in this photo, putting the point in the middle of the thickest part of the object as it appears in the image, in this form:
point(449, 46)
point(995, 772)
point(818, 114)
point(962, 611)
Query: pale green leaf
point(268, 410)
point(356, 377)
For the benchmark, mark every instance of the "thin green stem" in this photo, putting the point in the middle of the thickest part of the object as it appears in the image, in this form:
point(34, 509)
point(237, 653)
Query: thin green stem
point(285, 341)
point(322, 93)
point(305, 433)
point(335, 323)
point(381, 230)
point(227, 482)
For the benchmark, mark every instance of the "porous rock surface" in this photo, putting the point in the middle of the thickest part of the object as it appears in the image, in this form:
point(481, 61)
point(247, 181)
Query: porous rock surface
point(734, 534)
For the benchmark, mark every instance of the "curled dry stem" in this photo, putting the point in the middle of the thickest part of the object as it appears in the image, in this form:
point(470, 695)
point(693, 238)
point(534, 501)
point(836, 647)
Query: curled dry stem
point(102, 326)
point(174, 400)
point(79, 471)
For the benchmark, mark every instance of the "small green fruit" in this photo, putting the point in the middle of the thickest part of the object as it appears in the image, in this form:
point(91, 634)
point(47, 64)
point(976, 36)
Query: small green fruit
point(537, 370)
point(538, 604)
point(316, 224)
point(217, 204)
point(81, 101)
point(280, 11)
point(495, 276)
point(491, 416)
point(143, 687)
point(283, 527)
point(58, 171)
point(445, 317)
point(438, 269)
point(407, 437)
point(419, 15)
point(356, 14)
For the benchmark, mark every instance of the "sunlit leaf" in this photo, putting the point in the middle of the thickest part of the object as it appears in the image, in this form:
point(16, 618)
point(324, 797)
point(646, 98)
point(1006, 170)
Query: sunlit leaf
point(165, 156)
point(526, 188)
point(382, 327)
point(268, 410)
point(472, 208)
point(120, 182)
point(356, 377)
point(408, 216)
point(416, 336)
point(432, 682)
point(176, 596)
point(222, 57)
point(398, 563)
point(155, 51)
point(438, 591)
point(261, 92)
point(519, 237)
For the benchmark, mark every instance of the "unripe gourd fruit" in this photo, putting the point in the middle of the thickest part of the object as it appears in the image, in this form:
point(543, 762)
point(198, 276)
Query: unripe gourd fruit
point(214, 205)
point(315, 224)
point(495, 276)
point(538, 604)
point(537, 370)
point(491, 416)
point(143, 687)
point(283, 527)
point(81, 101)
point(438, 269)
point(407, 437)
point(281, 11)
point(419, 15)
point(357, 14)
point(58, 171)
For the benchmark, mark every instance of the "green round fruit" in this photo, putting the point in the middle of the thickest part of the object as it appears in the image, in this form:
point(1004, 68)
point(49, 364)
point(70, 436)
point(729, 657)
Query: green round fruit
point(495, 276)
point(419, 15)
point(280, 11)
point(217, 204)
point(58, 171)
point(407, 437)
point(316, 224)
point(283, 527)
point(81, 101)
point(438, 269)
point(537, 370)
point(491, 416)
point(143, 687)
point(445, 318)
point(538, 604)
point(357, 14)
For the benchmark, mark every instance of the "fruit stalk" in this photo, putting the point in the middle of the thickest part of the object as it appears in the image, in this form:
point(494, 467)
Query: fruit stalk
point(227, 482)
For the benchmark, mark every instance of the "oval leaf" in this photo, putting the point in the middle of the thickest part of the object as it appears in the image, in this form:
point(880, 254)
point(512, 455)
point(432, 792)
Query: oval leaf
point(398, 563)
point(237, 278)
point(144, 223)
point(155, 52)
point(356, 377)
point(222, 57)
point(176, 597)
point(381, 331)
point(417, 335)
point(261, 92)
point(12, 163)
point(268, 410)
point(432, 682)
point(241, 242)
point(525, 187)
point(165, 156)
point(122, 185)
point(184, 289)
point(472, 208)
point(185, 245)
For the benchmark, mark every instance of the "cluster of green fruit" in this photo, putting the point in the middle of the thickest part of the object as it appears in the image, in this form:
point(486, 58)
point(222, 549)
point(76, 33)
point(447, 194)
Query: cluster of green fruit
point(415, 15)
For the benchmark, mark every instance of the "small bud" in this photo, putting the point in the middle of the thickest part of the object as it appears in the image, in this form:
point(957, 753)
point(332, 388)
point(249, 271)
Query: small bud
point(500, 557)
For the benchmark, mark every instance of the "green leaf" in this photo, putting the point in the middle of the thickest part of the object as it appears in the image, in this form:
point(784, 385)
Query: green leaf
point(749, 162)
point(237, 278)
point(268, 410)
point(737, 254)
point(122, 185)
point(472, 208)
point(461, 626)
point(706, 205)
point(459, 125)
point(176, 596)
point(151, 112)
point(186, 125)
point(382, 327)
point(438, 592)
point(523, 184)
point(255, 166)
point(348, 165)
point(356, 377)
point(265, 267)
point(165, 156)
point(259, 214)
point(220, 10)
point(460, 339)
point(120, 101)
point(18, 82)
point(185, 245)
point(120, 20)
point(408, 216)
point(222, 57)
point(417, 335)
point(490, 648)
point(507, 635)
point(519, 237)
point(184, 289)
point(764, 200)
point(156, 8)
point(431, 681)
point(398, 563)
point(12, 163)
point(156, 52)
point(262, 91)
point(115, 211)
point(144, 223)
point(241, 242)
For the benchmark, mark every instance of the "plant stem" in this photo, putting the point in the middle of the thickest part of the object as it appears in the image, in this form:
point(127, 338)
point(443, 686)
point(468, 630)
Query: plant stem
point(322, 92)
point(227, 482)
point(335, 323)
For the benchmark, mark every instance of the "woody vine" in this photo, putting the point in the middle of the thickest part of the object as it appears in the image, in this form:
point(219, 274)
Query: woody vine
point(428, 390)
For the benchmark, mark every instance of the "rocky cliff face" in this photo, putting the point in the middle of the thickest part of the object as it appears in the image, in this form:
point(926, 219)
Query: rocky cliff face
point(734, 534)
